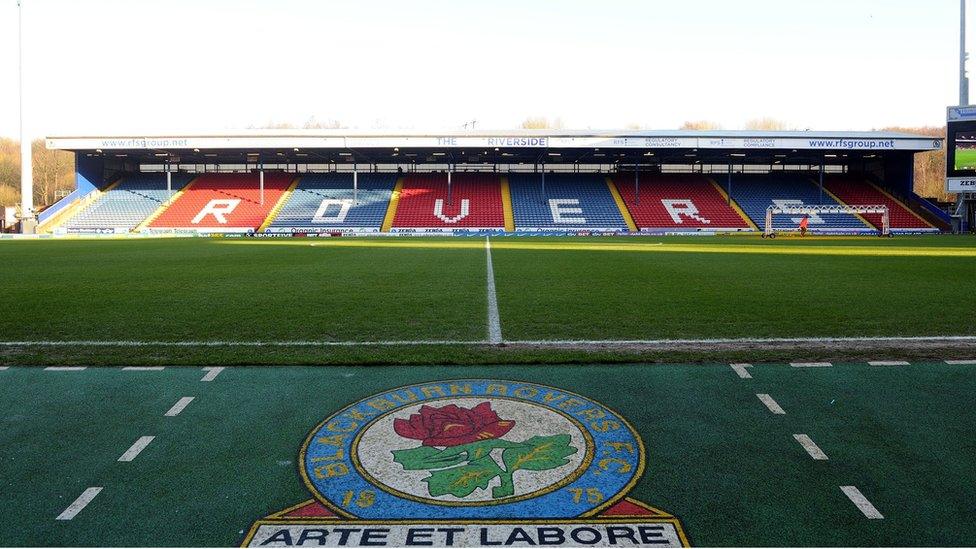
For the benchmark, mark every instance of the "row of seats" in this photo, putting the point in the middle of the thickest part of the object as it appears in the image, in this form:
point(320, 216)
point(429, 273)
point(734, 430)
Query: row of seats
point(332, 201)
point(128, 203)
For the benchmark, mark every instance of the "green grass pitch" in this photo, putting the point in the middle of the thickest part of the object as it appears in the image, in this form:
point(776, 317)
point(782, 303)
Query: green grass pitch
point(716, 458)
point(416, 290)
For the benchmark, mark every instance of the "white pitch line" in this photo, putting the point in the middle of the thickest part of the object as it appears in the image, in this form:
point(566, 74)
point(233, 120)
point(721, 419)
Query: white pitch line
point(494, 323)
point(137, 446)
point(4, 368)
point(888, 363)
point(179, 406)
point(212, 373)
point(65, 368)
point(961, 362)
point(862, 503)
point(810, 364)
point(741, 370)
point(770, 403)
point(143, 368)
point(445, 342)
point(811, 447)
point(80, 503)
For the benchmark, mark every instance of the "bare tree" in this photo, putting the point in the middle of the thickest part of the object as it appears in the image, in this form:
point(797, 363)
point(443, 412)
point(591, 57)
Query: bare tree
point(701, 125)
point(542, 123)
point(930, 167)
point(765, 123)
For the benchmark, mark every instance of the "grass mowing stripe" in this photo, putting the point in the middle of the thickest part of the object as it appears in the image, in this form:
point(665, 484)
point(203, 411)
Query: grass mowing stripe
point(179, 406)
point(212, 373)
point(811, 447)
point(137, 447)
point(862, 503)
point(83, 500)
point(494, 323)
point(741, 370)
point(773, 406)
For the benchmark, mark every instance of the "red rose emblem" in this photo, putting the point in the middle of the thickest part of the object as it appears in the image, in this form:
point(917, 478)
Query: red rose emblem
point(452, 425)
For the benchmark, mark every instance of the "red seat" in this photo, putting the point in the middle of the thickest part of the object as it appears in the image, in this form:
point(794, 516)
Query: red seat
point(858, 192)
point(667, 201)
point(224, 201)
point(476, 202)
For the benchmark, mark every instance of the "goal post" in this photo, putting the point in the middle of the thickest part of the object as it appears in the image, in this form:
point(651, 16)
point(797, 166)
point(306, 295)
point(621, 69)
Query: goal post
point(770, 232)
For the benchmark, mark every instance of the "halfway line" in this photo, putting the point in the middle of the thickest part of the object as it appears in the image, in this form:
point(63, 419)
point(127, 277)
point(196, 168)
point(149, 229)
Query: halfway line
point(494, 323)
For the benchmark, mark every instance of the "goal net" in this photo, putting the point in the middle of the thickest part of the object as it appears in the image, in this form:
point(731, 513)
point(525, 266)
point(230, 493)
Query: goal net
point(816, 211)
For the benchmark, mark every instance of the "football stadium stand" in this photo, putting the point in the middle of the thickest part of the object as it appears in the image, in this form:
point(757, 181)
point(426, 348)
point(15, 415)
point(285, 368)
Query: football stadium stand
point(475, 202)
point(755, 193)
point(224, 202)
point(126, 204)
point(857, 191)
point(570, 201)
point(327, 202)
point(679, 202)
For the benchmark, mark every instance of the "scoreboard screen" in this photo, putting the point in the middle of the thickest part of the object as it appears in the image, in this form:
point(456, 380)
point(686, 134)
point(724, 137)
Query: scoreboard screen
point(961, 148)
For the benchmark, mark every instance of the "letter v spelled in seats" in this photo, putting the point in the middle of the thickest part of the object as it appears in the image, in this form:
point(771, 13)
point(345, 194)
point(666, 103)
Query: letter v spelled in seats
point(570, 201)
point(324, 202)
point(127, 204)
point(224, 203)
point(475, 202)
point(678, 202)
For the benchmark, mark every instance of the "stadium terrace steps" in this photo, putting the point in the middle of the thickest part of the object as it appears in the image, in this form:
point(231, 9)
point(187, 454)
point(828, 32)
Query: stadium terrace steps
point(327, 201)
point(755, 193)
point(224, 202)
point(679, 202)
point(476, 202)
point(856, 191)
point(126, 204)
point(570, 202)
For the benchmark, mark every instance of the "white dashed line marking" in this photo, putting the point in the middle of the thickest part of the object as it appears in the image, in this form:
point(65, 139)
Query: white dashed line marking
point(810, 364)
point(811, 447)
point(741, 370)
point(137, 446)
point(961, 362)
point(143, 368)
point(770, 403)
point(80, 503)
point(4, 368)
point(212, 373)
point(888, 363)
point(65, 368)
point(861, 502)
point(178, 407)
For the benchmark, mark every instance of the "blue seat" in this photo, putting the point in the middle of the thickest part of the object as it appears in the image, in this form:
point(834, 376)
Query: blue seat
point(571, 201)
point(330, 195)
point(127, 204)
point(755, 193)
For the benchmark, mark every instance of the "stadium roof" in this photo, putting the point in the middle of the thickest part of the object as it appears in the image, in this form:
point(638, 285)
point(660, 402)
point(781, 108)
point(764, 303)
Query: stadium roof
point(499, 146)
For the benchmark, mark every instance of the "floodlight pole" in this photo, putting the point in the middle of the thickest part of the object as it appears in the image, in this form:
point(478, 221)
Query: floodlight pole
point(26, 163)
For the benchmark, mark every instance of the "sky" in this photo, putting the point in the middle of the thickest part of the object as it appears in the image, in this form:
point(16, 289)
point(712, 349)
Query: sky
point(132, 67)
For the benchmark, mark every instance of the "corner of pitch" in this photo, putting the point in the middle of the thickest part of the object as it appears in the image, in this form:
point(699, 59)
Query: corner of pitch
point(471, 463)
